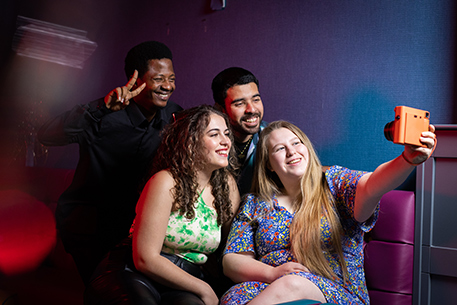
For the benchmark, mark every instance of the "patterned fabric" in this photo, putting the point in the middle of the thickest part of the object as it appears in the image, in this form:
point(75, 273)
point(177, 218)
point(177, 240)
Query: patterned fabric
point(263, 228)
point(192, 239)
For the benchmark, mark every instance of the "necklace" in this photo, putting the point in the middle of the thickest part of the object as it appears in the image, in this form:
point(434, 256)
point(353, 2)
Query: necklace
point(241, 155)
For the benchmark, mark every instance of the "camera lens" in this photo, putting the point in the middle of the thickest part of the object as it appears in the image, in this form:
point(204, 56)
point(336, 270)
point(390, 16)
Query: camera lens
point(389, 131)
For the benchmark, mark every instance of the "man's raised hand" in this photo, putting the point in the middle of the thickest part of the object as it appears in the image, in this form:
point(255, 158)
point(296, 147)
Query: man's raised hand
point(119, 98)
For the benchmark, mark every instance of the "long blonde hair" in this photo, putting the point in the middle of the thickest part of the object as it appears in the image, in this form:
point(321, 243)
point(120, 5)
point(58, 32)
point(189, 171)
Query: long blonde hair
point(313, 202)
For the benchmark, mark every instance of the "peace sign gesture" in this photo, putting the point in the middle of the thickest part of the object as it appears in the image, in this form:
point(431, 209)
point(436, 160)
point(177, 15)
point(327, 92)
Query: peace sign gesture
point(119, 98)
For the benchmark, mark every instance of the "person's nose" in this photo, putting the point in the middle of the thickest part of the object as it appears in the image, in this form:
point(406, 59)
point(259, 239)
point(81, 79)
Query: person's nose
point(290, 151)
point(250, 108)
point(225, 141)
point(166, 85)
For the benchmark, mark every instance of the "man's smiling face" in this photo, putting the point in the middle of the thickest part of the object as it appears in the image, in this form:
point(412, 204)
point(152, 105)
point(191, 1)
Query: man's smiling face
point(244, 107)
point(160, 84)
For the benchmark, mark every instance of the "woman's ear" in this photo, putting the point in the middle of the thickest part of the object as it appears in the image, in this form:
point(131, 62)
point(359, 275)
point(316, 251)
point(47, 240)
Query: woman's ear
point(269, 167)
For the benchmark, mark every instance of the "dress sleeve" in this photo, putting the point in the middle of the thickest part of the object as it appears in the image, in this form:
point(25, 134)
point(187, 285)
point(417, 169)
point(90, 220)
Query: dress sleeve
point(343, 185)
point(67, 127)
point(241, 236)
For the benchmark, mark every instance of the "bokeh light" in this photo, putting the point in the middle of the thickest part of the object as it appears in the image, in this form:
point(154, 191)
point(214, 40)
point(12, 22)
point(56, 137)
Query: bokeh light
point(27, 232)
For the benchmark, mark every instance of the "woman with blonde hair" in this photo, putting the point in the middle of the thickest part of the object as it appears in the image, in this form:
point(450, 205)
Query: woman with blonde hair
point(299, 235)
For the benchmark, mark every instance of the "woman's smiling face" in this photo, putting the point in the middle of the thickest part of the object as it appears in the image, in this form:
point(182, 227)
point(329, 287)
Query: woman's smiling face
point(216, 142)
point(288, 156)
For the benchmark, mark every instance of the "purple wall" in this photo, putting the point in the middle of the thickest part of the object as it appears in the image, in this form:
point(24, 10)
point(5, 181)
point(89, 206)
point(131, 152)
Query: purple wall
point(335, 68)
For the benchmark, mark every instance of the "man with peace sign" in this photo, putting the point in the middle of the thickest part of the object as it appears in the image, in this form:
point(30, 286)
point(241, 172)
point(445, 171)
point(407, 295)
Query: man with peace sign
point(117, 136)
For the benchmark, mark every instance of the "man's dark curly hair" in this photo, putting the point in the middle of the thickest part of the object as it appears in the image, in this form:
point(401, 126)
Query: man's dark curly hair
point(138, 57)
point(181, 152)
point(227, 79)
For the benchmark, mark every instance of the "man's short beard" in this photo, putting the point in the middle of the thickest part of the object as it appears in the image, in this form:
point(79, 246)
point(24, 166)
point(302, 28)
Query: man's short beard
point(246, 131)
point(251, 131)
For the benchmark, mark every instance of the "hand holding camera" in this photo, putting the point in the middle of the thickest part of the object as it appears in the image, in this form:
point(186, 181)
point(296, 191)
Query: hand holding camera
point(412, 128)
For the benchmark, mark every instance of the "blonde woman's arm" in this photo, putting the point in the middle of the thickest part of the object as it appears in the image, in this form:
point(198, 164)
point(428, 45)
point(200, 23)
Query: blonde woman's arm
point(372, 186)
point(243, 267)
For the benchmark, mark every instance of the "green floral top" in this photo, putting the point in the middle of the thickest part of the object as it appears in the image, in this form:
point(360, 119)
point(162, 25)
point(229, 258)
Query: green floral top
point(192, 239)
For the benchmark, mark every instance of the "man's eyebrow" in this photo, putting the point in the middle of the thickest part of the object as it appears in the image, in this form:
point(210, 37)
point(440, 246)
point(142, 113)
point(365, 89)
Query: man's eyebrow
point(237, 100)
point(242, 99)
point(163, 75)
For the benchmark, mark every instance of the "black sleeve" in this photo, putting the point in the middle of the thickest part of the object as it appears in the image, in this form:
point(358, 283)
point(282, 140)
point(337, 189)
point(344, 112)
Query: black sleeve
point(67, 127)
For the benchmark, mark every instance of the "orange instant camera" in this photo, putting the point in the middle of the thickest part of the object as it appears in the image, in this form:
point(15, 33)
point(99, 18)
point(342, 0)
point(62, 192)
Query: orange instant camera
point(408, 126)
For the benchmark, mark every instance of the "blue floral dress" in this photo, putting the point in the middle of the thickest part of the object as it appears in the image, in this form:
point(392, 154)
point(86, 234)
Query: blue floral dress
point(268, 238)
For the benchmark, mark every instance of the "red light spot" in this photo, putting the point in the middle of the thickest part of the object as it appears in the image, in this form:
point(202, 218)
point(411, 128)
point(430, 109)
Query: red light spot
point(27, 232)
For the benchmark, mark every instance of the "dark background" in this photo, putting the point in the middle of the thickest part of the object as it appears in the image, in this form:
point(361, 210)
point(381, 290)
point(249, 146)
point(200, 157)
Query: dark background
point(335, 68)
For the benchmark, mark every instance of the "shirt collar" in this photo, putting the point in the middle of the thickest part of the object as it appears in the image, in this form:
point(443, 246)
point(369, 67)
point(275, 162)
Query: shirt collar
point(137, 118)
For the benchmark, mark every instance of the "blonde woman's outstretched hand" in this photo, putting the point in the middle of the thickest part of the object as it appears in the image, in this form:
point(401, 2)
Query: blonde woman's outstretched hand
point(416, 155)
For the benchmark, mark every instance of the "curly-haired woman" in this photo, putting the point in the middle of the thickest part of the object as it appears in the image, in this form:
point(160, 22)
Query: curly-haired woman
point(184, 212)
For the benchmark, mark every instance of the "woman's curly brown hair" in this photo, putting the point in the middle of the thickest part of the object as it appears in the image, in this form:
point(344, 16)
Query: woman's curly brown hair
point(181, 152)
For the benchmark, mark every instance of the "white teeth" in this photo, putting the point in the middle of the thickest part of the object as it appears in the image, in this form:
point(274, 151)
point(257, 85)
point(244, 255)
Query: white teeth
point(294, 161)
point(251, 120)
